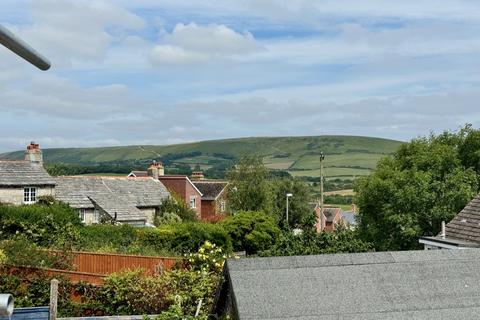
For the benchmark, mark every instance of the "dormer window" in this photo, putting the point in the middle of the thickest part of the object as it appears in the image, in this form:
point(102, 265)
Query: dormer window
point(29, 195)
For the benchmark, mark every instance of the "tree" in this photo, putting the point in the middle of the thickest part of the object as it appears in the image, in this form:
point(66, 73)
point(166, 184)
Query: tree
point(410, 193)
point(249, 188)
point(174, 205)
point(251, 231)
point(298, 207)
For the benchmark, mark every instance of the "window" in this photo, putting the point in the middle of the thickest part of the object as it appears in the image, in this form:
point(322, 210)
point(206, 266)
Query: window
point(222, 206)
point(193, 202)
point(81, 214)
point(96, 216)
point(29, 195)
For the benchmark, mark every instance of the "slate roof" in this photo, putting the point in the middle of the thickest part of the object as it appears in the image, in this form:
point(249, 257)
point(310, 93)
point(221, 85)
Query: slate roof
point(350, 217)
point(466, 225)
point(210, 189)
point(24, 173)
point(331, 213)
point(112, 194)
point(434, 284)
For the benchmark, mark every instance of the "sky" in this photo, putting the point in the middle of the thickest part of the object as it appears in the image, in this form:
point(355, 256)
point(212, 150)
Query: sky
point(173, 71)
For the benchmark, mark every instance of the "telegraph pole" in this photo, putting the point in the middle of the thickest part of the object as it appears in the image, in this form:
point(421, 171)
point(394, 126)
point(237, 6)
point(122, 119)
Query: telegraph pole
point(322, 157)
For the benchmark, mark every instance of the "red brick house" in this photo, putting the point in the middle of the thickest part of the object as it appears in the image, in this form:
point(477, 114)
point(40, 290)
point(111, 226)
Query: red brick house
point(214, 199)
point(331, 217)
point(183, 187)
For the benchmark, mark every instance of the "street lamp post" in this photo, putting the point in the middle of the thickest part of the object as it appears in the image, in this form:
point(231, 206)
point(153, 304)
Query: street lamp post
point(322, 157)
point(288, 196)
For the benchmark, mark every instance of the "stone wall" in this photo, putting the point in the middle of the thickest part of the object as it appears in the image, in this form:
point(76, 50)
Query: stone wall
point(14, 195)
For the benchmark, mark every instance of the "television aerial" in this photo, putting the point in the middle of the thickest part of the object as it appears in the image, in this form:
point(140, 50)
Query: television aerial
point(21, 48)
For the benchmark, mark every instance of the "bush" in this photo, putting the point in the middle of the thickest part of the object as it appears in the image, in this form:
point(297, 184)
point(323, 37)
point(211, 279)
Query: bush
point(310, 242)
point(99, 236)
point(52, 225)
point(21, 252)
point(185, 237)
point(251, 231)
point(175, 205)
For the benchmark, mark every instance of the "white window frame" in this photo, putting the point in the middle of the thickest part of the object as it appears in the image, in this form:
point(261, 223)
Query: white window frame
point(193, 202)
point(82, 213)
point(29, 195)
point(223, 206)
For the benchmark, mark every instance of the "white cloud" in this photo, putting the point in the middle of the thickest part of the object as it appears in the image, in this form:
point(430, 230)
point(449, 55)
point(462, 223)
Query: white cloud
point(66, 30)
point(192, 43)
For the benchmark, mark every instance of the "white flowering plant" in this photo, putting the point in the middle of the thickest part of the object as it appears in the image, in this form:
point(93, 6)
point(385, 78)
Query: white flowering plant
point(209, 258)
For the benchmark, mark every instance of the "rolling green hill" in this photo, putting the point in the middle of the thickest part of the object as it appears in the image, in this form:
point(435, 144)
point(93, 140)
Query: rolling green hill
point(346, 156)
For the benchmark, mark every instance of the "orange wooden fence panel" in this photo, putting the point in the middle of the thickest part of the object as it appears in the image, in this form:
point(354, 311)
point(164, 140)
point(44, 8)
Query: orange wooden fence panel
point(105, 263)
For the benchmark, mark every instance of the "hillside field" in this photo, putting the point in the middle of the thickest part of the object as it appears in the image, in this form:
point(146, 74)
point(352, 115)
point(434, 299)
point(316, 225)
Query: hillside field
point(346, 157)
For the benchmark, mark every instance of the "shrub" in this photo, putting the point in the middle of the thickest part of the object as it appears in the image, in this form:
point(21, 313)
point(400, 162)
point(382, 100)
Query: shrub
point(177, 206)
point(251, 231)
point(185, 237)
point(46, 225)
point(209, 258)
point(99, 236)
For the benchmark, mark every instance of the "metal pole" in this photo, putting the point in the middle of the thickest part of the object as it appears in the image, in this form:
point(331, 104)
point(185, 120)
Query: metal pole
point(322, 222)
point(287, 212)
point(22, 49)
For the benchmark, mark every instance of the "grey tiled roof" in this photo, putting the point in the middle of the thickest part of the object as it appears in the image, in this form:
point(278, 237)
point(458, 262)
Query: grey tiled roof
point(24, 173)
point(210, 189)
point(350, 217)
point(466, 225)
point(435, 284)
point(112, 194)
point(330, 213)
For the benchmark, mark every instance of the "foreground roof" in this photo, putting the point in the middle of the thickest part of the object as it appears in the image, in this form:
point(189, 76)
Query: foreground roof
point(435, 284)
point(210, 189)
point(24, 173)
point(113, 194)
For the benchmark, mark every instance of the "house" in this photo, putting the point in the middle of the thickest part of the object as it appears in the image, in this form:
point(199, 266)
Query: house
point(23, 182)
point(138, 174)
point(179, 185)
point(422, 285)
point(461, 233)
point(183, 187)
point(131, 201)
point(331, 217)
point(214, 198)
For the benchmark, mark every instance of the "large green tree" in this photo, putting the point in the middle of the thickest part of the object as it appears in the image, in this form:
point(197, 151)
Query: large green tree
point(298, 207)
point(249, 189)
point(425, 182)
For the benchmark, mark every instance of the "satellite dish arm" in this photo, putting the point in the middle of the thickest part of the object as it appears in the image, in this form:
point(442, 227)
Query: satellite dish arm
point(22, 49)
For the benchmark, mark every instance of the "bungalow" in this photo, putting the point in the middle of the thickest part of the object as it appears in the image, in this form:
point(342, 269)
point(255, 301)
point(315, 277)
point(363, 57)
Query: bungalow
point(23, 182)
point(131, 201)
point(461, 233)
point(421, 285)
point(214, 198)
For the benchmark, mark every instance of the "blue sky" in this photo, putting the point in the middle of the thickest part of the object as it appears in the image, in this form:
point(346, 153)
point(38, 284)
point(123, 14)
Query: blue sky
point(161, 72)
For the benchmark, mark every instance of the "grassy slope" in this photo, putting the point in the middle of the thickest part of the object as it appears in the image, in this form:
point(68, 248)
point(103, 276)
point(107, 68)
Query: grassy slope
point(297, 154)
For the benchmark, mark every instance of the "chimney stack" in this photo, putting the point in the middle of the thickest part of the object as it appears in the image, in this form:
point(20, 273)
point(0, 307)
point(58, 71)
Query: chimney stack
point(156, 169)
point(197, 175)
point(33, 153)
point(443, 234)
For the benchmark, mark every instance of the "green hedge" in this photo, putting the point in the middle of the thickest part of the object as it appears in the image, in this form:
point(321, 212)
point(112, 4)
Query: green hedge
point(185, 237)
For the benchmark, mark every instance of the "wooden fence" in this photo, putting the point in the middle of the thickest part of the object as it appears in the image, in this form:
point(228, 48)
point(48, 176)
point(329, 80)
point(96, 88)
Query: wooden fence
point(105, 263)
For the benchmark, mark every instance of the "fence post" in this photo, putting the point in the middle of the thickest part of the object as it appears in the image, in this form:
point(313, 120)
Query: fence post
point(53, 299)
